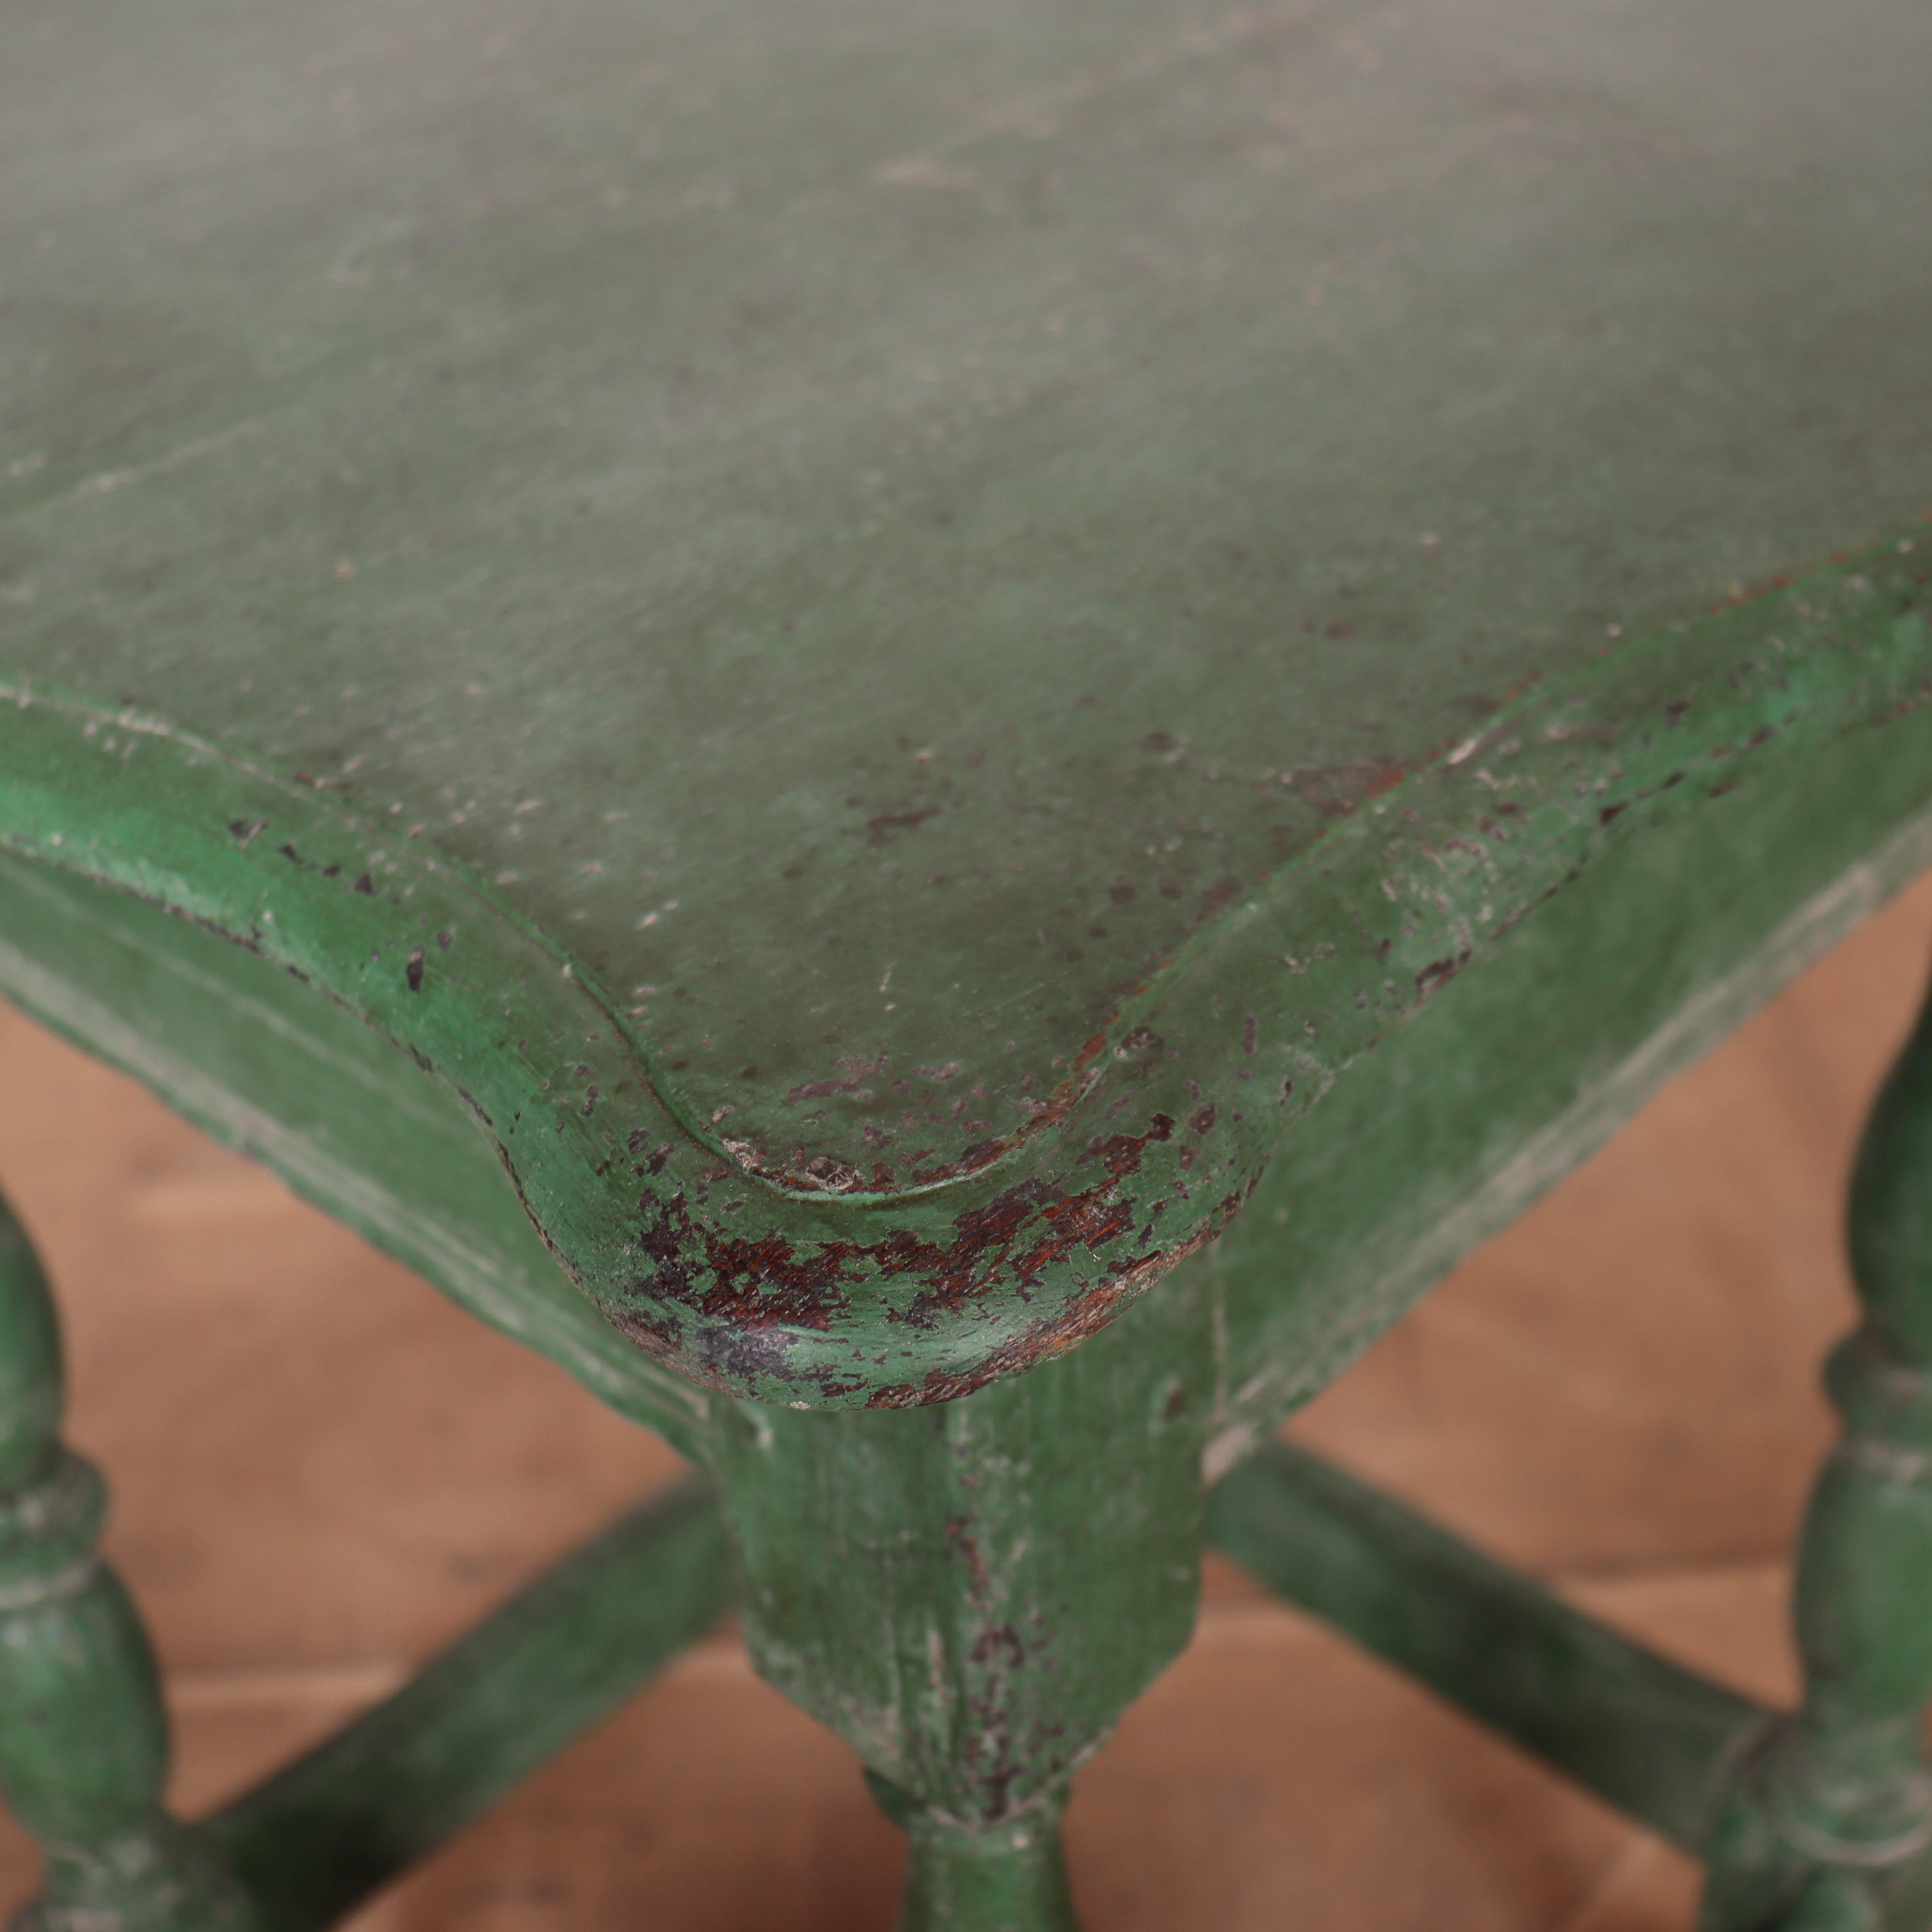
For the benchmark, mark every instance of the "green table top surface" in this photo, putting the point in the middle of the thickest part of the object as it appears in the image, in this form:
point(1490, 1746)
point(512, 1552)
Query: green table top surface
point(877, 531)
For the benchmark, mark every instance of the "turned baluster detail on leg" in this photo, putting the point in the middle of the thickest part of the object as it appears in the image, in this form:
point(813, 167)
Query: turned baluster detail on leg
point(1830, 1828)
point(83, 1739)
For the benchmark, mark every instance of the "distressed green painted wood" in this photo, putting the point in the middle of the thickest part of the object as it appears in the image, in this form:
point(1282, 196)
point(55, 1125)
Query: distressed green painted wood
point(1008, 1877)
point(970, 1595)
point(313, 1840)
point(83, 1739)
point(1833, 1819)
point(1300, 406)
point(252, 1057)
point(1533, 1056)
point(853, 668)
point(1654, 1739)
point(816, 1298)
point(1432, 1142)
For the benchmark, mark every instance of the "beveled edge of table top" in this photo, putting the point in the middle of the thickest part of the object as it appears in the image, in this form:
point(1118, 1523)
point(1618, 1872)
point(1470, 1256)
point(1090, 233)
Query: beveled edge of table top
point(820, 1297)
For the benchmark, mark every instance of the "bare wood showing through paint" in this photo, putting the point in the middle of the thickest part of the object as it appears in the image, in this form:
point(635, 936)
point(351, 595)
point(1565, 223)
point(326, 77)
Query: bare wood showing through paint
point(938, 736)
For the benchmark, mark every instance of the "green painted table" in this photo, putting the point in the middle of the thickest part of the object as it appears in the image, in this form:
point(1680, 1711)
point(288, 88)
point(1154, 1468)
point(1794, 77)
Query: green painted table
point(797, 692)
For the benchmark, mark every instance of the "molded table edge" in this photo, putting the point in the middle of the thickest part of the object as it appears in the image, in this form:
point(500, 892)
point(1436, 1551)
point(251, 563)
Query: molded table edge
point(830, 1299)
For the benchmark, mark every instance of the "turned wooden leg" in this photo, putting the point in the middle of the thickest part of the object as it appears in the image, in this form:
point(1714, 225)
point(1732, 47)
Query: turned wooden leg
point(1830, 1827)
point(83, 1740)
point(970, 1595)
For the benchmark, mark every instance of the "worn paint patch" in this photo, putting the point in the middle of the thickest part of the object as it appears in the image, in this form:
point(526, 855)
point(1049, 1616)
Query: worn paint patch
point(1157, 1124)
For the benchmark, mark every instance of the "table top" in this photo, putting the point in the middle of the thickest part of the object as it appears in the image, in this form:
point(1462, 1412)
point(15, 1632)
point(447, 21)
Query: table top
point(889, 540)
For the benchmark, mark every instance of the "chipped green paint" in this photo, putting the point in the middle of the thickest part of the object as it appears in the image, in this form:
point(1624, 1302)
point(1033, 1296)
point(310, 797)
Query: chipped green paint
point(903, 1299)
point(1040, 1537)
point(797, 694)
point(970, 1593)
point(710, 477)
point(845, 689)
point(302, 1085)
point(1461, 1118)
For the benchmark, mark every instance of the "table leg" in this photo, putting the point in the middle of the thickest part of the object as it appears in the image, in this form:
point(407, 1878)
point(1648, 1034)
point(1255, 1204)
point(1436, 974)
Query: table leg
point(1830, 1829)
point(970, 1595)
point(83, 1739)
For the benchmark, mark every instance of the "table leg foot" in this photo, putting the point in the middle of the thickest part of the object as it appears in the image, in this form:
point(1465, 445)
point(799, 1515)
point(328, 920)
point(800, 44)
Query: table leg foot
point(1008, 1877)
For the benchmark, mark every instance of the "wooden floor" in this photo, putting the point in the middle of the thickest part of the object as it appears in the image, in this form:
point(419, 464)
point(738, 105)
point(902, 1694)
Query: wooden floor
point(322, 1471)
